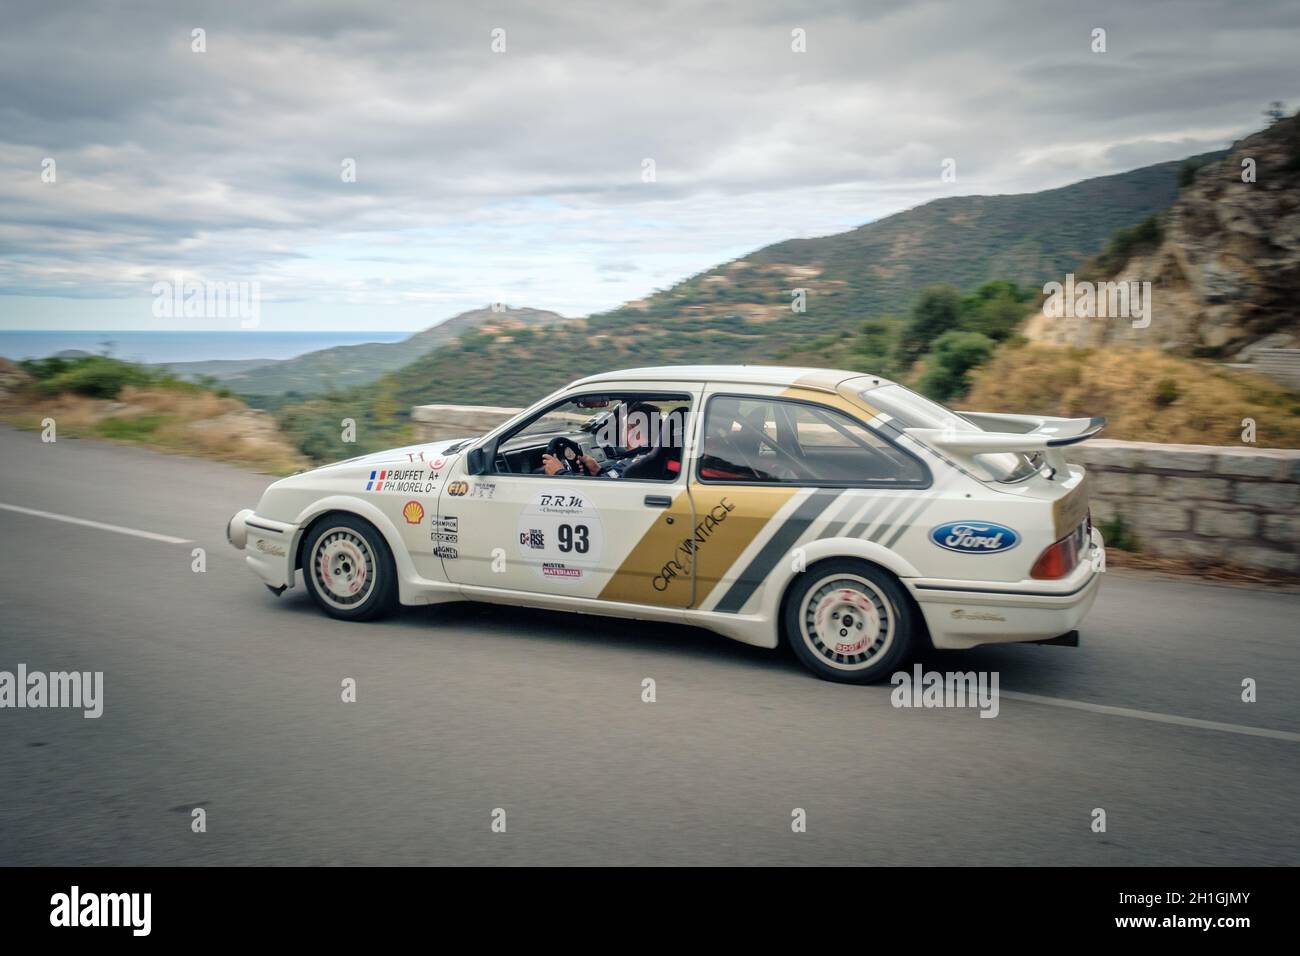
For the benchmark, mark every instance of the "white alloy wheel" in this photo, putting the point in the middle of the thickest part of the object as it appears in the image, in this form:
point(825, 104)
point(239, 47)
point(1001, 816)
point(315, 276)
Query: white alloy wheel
point(343, 568)
point(847, 621)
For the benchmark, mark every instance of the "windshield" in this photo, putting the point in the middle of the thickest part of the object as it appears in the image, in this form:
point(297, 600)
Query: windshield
point(916, 411)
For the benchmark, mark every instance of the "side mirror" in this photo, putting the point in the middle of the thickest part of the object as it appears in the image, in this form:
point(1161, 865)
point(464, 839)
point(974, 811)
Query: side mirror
point(477, 461)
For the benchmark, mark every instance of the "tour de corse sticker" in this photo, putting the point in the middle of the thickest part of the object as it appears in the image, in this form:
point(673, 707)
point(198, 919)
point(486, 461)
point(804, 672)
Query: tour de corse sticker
point(560, 534)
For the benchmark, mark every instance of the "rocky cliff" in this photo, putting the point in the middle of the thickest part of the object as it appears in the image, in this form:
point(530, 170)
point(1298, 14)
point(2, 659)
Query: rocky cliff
point(1224, 268)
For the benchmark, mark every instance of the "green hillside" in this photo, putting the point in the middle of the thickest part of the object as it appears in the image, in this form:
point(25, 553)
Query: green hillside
point(741, 311)
point(345, 366)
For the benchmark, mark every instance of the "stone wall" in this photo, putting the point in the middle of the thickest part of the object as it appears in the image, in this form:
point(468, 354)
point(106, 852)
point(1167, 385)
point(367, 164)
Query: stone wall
point(1204, 503)
point(440, 422)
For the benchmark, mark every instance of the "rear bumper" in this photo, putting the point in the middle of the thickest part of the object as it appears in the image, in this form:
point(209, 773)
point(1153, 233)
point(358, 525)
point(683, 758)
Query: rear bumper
point(964, 614)
point(269, 546)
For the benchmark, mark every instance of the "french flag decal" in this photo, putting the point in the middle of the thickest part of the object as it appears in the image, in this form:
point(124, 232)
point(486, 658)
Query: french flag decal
point(371, 485)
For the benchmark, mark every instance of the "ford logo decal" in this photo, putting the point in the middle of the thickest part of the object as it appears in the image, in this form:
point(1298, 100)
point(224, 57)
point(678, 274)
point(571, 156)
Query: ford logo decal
point(974, 537)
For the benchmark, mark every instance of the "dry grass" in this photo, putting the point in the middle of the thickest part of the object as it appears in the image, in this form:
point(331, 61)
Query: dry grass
point(1145, 395)
point(187, 422)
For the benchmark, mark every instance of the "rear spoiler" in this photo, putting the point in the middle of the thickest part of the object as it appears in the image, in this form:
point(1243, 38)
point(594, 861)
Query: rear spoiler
point(1027, 434)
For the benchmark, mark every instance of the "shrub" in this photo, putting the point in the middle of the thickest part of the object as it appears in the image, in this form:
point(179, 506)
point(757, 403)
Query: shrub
point(936, 312)
point(949, 362)
point(876, 345)
point(1117, 533)
point(42, 369)
point(996, 309)
point(127, 429)
point(97, 376)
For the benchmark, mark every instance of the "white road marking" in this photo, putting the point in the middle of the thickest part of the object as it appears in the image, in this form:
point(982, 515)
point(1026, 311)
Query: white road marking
point(1009, 694)
point(1157, 718)
point(149, 535)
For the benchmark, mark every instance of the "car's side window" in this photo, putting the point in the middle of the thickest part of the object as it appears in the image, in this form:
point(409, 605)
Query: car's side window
point(635, 436)
point(768, 440)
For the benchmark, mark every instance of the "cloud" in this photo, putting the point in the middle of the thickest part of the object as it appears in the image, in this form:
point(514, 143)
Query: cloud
point(519, 175)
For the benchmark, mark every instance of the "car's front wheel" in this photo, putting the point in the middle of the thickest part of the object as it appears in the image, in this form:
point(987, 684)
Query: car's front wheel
point(849, 621)
point(348, 568)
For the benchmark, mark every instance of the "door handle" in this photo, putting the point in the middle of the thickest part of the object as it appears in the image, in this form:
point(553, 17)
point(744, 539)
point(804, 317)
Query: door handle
point(658, 501)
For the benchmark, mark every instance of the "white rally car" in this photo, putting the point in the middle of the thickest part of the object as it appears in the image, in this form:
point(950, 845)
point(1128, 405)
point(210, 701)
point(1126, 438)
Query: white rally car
point(839, 511)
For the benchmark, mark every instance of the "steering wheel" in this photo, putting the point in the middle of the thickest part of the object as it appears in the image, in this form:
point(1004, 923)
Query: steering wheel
point(569, 453)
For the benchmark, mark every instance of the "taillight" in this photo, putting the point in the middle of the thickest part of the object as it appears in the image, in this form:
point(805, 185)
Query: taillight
point(1058, 560)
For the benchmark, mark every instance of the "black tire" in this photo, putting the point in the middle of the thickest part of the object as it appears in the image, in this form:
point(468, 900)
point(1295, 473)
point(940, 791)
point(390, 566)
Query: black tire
point(881, 622)
point(348, 568)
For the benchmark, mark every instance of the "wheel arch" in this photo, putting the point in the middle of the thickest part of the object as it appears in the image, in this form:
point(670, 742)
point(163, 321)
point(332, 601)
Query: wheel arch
point(866, 552)
point(826, 549)
point(358, 508)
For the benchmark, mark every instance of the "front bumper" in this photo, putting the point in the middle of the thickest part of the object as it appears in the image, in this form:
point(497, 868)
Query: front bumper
point(270, 547)
point(963, 614)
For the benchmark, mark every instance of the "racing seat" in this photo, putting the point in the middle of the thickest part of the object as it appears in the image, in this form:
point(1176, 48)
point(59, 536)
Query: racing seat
point(660, 464)
point(664, 461)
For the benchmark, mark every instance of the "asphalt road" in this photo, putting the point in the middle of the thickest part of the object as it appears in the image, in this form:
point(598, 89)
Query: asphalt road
point(219, 695)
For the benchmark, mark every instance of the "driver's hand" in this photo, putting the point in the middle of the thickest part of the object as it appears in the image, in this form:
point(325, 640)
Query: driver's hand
point(551, 465)
point(589, 463)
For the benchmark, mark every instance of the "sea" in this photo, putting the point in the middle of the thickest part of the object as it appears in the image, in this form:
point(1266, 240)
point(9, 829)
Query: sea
point(166, 347)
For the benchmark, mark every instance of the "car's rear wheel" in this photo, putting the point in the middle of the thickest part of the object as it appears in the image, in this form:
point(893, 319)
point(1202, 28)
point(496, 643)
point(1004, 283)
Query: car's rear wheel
point(849, 621)
point(349, 568)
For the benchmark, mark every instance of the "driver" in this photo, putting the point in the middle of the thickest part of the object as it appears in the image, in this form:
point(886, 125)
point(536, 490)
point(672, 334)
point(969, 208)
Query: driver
point(636, 437)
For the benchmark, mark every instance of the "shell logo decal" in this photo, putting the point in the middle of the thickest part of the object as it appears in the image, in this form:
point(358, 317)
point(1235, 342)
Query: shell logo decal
point(413, 512)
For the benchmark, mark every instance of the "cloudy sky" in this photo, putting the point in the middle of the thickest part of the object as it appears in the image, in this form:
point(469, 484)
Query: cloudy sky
point(520, 175)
